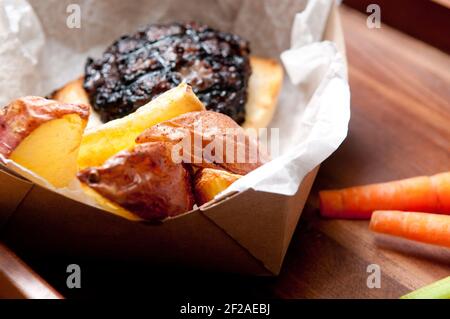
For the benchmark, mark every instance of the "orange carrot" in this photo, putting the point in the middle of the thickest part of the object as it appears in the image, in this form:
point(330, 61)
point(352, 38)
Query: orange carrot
point(424, 194)
point(427, 228)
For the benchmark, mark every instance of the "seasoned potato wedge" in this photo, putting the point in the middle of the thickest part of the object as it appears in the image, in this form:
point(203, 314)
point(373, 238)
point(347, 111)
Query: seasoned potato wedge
point(144, 181)
point(43, 136)
point(214, 128)
point(209, 182)
point(108, 139)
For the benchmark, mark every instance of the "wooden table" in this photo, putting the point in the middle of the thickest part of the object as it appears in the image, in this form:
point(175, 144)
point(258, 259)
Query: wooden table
point(18, 281)
point(400, 127)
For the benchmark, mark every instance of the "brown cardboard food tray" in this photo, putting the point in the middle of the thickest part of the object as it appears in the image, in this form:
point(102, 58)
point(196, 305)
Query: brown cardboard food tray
point(247, 233)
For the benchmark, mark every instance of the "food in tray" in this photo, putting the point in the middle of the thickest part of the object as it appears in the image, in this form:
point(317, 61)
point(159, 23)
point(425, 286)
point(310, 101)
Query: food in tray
point(155, 89)
point(422, 227)
point(263, 89)
point(143, 180)
point(210, 127)
point(72, 92)
point(137, 68)
point(140, 66)
point(43, 136)
point(209, 182)
point(149, 181)
point(106, 140)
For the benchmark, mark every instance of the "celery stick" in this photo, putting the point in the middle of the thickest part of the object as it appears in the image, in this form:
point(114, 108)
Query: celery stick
point(437, 290)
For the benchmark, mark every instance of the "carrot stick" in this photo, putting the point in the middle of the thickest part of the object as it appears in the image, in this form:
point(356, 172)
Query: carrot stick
point(437, 290)
point(423, 227)
point(424, 194)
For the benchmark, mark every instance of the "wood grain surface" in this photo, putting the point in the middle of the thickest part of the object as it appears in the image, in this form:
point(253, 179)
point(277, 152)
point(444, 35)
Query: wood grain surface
point(18, 281)
point(400, 127)
point(423, 19)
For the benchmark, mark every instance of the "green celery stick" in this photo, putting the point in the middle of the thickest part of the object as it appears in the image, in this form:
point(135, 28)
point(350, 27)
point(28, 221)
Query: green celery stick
point(437, 290)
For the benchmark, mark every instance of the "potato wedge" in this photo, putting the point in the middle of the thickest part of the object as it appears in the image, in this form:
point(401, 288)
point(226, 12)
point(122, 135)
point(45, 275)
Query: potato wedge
point(209, 182)
point(44, 136)
point(108, 205)
point(214, 128)
point(263, 89)
point(72, 92)
point(108, 139)
point(144, 181)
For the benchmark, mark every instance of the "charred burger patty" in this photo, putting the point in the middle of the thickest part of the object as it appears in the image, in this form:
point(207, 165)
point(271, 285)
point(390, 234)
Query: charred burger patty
point(138, 67)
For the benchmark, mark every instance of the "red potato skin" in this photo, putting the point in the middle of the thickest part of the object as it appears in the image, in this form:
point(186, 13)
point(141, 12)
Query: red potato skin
point(424, 194)
point(24, 115)
point(214, 127)
point(144, 181)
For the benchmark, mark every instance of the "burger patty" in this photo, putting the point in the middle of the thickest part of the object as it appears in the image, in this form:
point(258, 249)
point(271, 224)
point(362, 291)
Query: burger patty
point(138, 67)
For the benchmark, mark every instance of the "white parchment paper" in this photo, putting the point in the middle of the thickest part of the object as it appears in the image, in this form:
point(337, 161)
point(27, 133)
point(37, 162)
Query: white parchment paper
point(39, 53)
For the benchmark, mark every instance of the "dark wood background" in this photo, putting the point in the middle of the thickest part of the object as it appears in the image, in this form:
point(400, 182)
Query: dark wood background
point(400, 127)
point(427, 20)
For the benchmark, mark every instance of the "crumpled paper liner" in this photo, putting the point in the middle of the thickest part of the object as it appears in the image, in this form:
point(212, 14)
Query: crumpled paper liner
point(39, 53)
